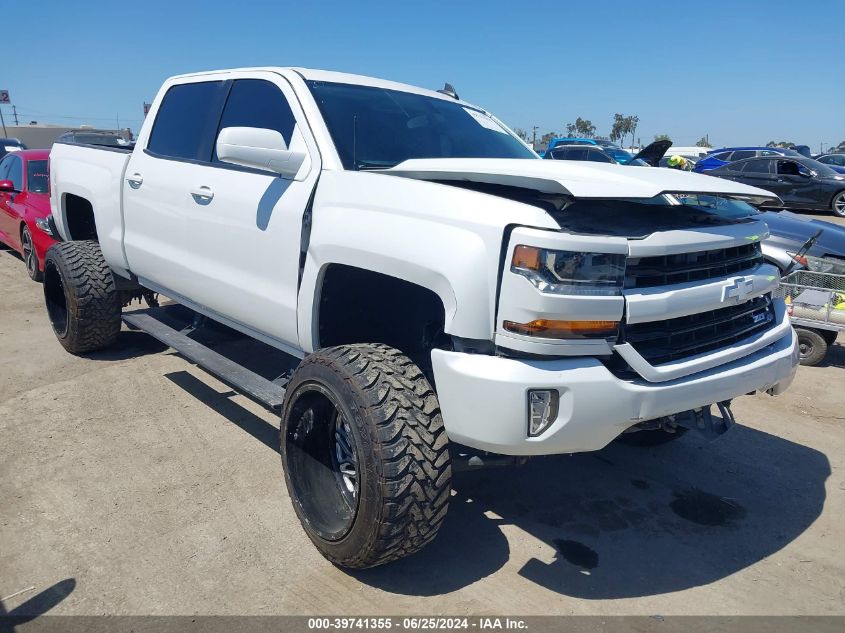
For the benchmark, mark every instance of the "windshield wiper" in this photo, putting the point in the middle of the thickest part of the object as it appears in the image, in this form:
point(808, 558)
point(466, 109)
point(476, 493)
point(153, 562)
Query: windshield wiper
point(374, 165)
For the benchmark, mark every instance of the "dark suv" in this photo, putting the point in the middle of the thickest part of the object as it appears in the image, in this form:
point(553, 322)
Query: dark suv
point(10, 145)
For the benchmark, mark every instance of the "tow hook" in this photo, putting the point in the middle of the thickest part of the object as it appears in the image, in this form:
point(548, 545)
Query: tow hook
point(703, 420)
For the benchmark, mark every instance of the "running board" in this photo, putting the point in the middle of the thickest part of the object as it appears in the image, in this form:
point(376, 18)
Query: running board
point(265, 392)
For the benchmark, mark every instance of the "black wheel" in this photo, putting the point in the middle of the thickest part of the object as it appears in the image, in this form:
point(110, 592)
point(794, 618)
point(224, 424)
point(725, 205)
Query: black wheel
point(838, 204)
point(812, 345)
point(30, 259)
point(365, 455)
point(654, 437)
point(82, 301)
point(829, 336)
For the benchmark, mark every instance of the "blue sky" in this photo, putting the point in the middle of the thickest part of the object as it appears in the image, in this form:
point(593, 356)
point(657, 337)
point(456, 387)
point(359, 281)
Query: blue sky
point(743, 71)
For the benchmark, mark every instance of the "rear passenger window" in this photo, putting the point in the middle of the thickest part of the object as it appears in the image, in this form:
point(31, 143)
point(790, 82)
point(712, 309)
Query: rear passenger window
point(725, 156)
point(740, 154)
point(258, 103)
point(185, 123)
point(757, 166)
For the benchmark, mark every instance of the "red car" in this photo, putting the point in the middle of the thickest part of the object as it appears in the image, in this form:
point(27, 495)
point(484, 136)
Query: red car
point(25, 207)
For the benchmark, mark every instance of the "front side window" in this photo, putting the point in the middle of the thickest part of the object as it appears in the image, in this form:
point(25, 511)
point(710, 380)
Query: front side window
point(599, 157)
point(16, 173)
point(377, 128)
point(37, 178)
point(257, 103)
point(788, 168)
point(5, 164)
point(185, 123)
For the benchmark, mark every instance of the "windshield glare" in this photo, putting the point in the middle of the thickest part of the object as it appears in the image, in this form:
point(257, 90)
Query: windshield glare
point(724, 207)
point(376, 128)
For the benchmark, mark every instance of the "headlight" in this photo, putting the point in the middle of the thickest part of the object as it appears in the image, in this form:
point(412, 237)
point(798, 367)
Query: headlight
point(569, 272)
point(44, 225)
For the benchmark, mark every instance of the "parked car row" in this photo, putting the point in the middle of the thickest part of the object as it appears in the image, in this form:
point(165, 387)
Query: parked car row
point(800, 183)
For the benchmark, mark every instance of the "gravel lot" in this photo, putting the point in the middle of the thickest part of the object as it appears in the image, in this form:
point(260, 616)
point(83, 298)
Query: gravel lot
point(131, 482)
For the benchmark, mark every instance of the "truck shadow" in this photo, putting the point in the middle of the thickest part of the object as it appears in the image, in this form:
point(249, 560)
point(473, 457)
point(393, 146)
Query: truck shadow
point(620, 523)
point(625, 522)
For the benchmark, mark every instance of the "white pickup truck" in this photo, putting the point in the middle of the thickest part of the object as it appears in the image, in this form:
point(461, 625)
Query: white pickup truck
point(443, 288)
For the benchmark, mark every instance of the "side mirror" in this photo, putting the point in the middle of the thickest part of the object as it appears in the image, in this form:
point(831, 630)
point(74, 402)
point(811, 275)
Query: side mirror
point(258, 148)
point(7, 186)
point(806, 173)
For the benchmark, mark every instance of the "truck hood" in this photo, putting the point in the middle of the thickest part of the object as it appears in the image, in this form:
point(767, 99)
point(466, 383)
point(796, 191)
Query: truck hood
point(576, 179)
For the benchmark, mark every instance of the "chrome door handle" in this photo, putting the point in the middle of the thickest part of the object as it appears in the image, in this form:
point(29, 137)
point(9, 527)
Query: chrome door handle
point(135, 180)
point(202, 194)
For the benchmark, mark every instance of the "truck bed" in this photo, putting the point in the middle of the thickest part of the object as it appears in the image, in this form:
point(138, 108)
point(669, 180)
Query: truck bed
point(92, 173)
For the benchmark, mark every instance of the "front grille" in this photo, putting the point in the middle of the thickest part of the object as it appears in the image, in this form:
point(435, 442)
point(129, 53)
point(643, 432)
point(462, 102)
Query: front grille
point(646, 272)
point(664, 341)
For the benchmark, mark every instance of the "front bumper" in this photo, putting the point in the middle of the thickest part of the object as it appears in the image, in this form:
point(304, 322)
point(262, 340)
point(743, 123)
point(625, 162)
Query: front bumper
point(484, 399)
point(41, 241)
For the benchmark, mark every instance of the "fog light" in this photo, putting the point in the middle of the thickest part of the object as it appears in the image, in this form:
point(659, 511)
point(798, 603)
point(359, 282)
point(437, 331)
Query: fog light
point(542, 410)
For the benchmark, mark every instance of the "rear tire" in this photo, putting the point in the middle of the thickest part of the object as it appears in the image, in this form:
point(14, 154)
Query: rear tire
point(655, 437)
point(365, 454)
point(838, 204)
point(812, 345)
point(30, 258)
point(82, 301)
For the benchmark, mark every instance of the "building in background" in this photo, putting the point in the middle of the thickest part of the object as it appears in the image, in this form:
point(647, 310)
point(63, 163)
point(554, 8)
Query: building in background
point(43, 135)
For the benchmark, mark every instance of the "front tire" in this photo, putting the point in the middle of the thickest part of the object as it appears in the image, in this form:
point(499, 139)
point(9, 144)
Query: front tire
point(82, 301)
point(365, 454)
point(838, 204)
point(30, 258)
point(812, 346)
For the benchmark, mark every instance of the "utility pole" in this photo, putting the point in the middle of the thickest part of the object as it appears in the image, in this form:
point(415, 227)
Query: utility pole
point(534, 139)
point(15, 114)
point(3, 121)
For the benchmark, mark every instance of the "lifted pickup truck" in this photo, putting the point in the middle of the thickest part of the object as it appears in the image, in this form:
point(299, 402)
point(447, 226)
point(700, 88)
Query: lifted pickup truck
point(444, 288)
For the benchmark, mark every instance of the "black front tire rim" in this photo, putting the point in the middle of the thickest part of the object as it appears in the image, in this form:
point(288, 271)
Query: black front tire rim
point(322, 457)
point(805, 348)
point(839, 204)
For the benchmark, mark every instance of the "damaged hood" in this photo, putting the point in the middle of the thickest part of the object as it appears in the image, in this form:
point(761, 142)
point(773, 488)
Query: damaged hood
point(576, 179)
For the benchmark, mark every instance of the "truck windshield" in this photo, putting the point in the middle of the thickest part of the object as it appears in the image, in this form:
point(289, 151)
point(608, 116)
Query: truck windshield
point(377, 128)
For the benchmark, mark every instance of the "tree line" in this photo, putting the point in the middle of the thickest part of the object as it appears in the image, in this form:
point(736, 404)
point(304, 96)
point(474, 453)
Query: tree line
point(622, 127)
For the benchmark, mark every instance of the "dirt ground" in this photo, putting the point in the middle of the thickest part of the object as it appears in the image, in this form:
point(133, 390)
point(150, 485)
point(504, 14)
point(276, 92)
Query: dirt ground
point(131, 482)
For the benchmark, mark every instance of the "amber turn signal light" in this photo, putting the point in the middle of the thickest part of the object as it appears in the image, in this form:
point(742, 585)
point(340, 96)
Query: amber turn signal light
point(526, 257)
point(549, 328)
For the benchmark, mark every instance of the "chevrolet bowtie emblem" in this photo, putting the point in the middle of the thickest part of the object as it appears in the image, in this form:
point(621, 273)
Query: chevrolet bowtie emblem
point(737, 290)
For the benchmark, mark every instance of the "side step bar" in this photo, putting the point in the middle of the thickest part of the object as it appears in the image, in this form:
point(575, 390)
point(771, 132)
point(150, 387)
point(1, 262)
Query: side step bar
point(265, 392)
